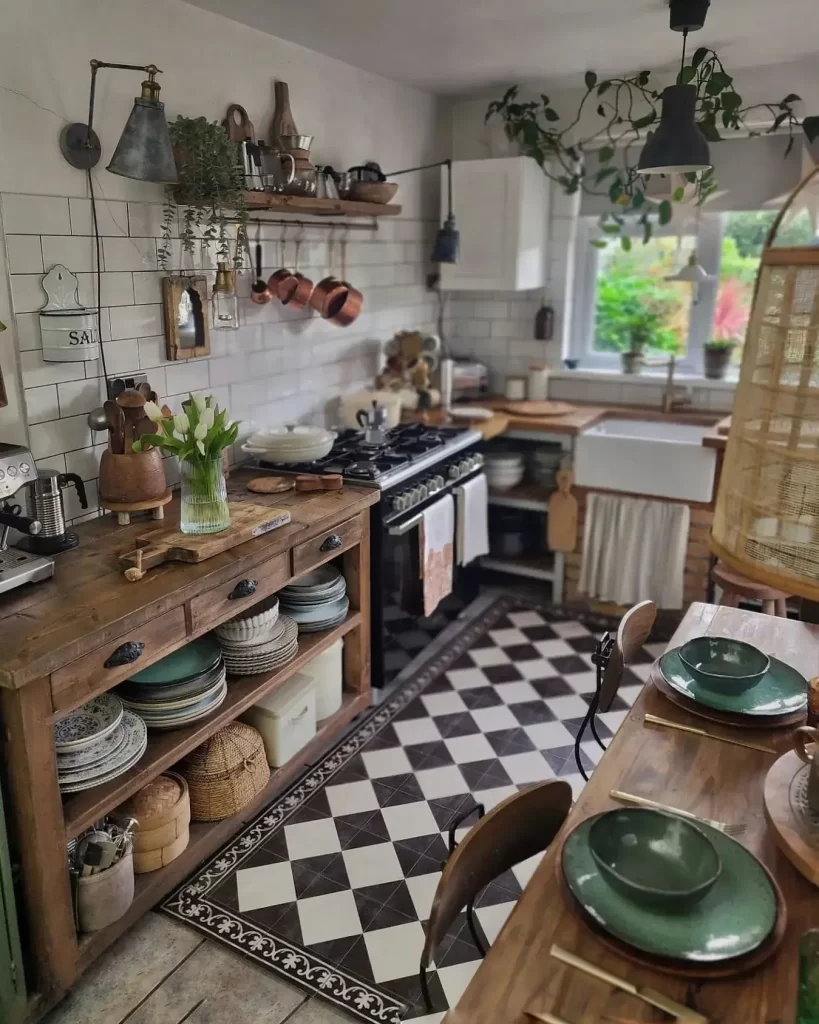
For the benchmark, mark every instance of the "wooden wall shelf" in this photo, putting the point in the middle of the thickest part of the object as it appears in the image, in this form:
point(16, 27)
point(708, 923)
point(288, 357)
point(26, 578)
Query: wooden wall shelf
point(272, 203)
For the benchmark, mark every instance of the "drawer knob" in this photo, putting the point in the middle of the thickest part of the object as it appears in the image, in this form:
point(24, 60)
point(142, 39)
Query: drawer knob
point(244, 588)
point(331, 543)
point(125, 654)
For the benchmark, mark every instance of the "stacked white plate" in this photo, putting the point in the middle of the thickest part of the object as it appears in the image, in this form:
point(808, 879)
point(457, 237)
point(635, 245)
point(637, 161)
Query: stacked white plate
point(262, 653)
point(290, 444)
point(96, 743)
point(317, 601)
point(503, 469)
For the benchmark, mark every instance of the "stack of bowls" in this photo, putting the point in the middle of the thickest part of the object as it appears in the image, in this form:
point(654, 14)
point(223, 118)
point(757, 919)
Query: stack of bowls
point(290, 444)
point(97, 742)
point(503, 469)
point(249, 650)
point(179, 689)
point(545, 464)
point(318, 600)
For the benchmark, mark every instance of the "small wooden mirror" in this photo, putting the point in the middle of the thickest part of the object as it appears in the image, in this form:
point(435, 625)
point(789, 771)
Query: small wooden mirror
point(187, 328)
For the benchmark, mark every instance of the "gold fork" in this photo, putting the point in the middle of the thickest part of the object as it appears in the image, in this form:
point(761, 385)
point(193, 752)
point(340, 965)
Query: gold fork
point(729, 828)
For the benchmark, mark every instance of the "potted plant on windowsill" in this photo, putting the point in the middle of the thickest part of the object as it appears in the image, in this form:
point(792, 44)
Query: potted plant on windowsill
point(717, 357)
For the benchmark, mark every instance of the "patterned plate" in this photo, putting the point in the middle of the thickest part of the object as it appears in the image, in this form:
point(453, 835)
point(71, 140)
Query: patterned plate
point(132, 750)
point(96, 752)
point(191, 716)
point(282, 641)
point(781, 690)
point(88, 724)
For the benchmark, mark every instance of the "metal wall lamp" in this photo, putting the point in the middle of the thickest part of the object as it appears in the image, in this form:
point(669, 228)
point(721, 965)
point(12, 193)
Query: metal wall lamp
point(144, 150)
point(448, 240)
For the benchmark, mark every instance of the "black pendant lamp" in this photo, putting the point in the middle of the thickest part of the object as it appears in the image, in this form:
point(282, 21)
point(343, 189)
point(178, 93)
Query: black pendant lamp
point(144, 150)
point(448, 240)
point(678, 146)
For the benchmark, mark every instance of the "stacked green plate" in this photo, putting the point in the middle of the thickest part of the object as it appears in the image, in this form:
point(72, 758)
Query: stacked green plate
point(733, 919)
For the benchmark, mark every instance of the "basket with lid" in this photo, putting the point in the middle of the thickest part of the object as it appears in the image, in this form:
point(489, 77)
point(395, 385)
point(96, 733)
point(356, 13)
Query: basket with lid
point(225, 772)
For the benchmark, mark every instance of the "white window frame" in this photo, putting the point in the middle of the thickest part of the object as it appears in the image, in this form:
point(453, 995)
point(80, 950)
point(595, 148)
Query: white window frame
point(709, 251)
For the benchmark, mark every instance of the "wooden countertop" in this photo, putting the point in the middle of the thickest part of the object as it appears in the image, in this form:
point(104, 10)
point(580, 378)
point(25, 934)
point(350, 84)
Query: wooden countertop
point(89, 602)
point(701, 775)
point(718, 437)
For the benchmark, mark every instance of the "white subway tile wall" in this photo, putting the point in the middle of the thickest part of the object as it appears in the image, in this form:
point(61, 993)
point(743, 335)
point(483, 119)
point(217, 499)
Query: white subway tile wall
point(280, 366)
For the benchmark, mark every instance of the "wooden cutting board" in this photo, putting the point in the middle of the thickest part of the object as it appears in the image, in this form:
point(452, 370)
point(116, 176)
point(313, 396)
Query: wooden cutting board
point(171, 545)
point(562, 519)
point(537, 408)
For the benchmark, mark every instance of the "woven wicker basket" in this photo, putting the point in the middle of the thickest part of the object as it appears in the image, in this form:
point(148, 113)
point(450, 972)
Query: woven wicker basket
point(226, 772)
point(766, 523)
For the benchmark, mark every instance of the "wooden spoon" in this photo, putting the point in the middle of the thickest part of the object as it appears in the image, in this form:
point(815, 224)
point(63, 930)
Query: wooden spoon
point(132, 403)
point(116, 424)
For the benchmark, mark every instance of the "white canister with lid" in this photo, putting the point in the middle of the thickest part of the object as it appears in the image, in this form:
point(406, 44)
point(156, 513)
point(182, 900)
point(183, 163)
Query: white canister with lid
point(538, 383)
point(326, 670)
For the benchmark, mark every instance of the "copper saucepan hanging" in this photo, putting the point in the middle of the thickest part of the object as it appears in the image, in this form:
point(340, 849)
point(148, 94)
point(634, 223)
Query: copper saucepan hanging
point(328, 286)
point(344, 307)
point(295, 290)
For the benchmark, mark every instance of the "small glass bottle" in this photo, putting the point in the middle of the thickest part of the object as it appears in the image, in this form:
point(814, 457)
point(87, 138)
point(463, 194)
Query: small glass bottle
point(224, 303)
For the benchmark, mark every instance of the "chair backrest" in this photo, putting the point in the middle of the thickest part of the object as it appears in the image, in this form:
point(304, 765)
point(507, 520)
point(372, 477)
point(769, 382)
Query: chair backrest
point(632, 633)
point(519, 827)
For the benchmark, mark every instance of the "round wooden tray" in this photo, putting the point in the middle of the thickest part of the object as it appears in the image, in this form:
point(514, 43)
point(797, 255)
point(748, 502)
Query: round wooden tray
point(680, 968)
point(789, 833)
point(726, 717)
point(534, 408)
point(137, 506)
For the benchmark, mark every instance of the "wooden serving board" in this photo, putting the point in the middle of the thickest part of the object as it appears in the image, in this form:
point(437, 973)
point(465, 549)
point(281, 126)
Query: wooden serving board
point(533, 408)
point(171, 545)
point(791, 835)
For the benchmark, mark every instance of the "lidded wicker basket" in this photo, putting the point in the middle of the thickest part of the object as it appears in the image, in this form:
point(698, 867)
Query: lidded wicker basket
point(226, 772)
point(766, 523)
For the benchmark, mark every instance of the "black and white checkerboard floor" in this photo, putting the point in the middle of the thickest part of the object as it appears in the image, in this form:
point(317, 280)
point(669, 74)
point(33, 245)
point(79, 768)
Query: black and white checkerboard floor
point(332, 884)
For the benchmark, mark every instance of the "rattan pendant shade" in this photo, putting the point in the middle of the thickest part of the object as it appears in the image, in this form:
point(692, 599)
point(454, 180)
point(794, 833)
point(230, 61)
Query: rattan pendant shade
point(766, 523)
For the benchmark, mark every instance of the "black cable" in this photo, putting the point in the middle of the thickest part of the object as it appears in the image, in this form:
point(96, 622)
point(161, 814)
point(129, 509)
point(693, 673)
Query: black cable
point(685, 41)
point(98, 245)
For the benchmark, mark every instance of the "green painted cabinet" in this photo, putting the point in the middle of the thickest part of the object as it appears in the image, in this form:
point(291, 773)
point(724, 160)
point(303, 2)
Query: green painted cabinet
point(12, 988)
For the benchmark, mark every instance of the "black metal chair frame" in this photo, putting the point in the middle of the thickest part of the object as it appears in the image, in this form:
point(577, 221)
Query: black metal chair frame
point(600, 659)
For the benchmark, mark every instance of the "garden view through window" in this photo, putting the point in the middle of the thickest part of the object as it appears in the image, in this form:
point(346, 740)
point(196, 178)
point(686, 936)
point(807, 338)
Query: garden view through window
point(637, 307)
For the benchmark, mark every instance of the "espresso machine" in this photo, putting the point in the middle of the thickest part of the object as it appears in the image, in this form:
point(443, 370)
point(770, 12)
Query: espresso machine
point(17, 566)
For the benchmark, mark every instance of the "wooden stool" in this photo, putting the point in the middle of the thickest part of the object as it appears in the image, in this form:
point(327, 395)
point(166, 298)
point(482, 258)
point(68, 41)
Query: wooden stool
point(734, 586)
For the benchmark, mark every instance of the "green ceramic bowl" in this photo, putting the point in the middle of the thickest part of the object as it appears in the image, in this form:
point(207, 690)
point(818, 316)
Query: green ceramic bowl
point(725, 665)
point(653, 858)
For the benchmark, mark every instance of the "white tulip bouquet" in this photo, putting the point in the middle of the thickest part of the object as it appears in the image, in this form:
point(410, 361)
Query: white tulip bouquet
point(197, 436)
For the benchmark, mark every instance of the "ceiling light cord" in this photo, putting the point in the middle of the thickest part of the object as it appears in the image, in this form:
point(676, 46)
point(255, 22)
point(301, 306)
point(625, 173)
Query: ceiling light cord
point(685, 40)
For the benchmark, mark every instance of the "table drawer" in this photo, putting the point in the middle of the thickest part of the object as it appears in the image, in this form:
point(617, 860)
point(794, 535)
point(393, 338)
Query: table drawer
point(239, 593)
point(326, 546)
point(80, 680)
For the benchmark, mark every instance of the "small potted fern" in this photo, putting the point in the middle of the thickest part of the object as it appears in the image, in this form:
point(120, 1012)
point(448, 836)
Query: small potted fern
point(717, 357)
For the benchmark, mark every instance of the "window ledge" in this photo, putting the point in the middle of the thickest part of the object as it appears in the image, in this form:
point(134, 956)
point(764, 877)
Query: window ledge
point(648, 377)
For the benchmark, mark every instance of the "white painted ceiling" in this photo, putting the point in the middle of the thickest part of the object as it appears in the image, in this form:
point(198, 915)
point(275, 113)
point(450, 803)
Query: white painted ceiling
point(458, 46)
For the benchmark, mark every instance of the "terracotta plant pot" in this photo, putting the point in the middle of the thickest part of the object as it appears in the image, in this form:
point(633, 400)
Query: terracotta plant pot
point(137, 476)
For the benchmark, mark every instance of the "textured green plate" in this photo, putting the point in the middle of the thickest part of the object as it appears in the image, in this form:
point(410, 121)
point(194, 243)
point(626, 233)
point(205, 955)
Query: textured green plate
point(780, 691)
point(734, 918)
point(192, 660)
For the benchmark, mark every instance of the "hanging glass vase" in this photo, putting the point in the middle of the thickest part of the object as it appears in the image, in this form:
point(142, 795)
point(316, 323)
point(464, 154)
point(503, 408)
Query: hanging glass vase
point(204, 497)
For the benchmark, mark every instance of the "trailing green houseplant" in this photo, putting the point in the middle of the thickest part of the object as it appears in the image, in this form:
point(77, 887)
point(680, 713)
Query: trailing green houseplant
point(628, 108)
point(209, 192)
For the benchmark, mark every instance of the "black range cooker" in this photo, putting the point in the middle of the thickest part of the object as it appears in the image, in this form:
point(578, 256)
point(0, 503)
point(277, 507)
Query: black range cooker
point(412, 465)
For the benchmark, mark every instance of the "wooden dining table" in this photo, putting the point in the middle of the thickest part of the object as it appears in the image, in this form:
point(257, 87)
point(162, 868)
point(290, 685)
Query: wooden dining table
point(694, 773)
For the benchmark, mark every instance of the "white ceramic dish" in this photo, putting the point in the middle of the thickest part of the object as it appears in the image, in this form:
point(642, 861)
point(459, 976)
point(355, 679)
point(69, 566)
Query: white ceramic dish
point(131, 751)
point(177, 722)
point(93, 754)
point(88, 724)
point(323, 576)
point(257, 621)
point(318, 612)
point(470, 412)
point(290, 437)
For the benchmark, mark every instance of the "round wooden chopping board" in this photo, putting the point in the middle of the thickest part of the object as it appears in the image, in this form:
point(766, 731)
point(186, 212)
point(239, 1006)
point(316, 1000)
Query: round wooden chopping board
point(537, 408)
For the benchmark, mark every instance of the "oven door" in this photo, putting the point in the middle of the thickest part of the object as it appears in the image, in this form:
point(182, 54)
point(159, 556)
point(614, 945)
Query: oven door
point(401, 631)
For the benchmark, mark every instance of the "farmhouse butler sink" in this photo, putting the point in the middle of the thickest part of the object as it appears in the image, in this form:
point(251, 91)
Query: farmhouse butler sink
point(658, 458)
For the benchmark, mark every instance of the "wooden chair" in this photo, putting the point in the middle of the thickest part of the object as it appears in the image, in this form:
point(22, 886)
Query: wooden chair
point(735, 585)
point(610, 657)
point(519, 827)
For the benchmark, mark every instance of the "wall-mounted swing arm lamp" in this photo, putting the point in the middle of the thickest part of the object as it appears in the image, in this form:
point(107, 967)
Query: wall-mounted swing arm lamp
point(448, 240)
point(144, 150)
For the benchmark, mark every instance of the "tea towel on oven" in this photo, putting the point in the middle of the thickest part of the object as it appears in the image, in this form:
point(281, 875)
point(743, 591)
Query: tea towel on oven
point(473, 519)
point(437, 551)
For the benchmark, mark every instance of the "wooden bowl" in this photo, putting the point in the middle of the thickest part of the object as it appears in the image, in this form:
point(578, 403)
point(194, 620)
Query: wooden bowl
point(137, 476)
point(380, 192)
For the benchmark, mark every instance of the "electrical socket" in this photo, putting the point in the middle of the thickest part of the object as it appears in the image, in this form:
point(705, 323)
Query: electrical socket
point(116, 385)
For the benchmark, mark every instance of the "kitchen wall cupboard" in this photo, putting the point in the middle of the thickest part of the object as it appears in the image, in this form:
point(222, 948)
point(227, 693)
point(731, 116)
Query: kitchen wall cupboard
point(501, 207)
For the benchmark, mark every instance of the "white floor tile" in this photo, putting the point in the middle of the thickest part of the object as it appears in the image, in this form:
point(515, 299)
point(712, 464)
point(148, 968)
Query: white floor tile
point(493, 918)
point(265, 886)
point(629, 693)
point(467, 678)
point(371, 865)
point(569, 629)
point(406, 821)
point(524, 871)
point(577, 782)
point(333, 916)
point(553, 649)
point(443, 703)
point(567, 707)
point(528, 767)
point(548, 735)
point(382, 763)
point(582, 682)
point(516, 693)
point(455, 979)
point(311, 839)
point(470, 748)
point(612, 719)
point(440, 782)
point(641, 671)
point(494, 719)
point(523, 619)
point(351, 798)
point(485, 656)
point(656, 650)
point(395, 952)
point(416, 730)
point(508, 637)
point(430, 1018)
point(537, 668)
point(422, 890)
point(492, 797)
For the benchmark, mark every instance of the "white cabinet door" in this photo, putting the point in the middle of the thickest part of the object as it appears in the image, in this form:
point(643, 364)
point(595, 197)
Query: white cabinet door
point(501, 210)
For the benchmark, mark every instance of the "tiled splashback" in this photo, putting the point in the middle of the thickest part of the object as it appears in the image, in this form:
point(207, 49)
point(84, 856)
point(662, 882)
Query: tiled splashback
point(279, 367)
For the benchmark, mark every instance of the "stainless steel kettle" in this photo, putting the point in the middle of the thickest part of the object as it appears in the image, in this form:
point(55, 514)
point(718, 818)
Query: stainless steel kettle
point(44, 502)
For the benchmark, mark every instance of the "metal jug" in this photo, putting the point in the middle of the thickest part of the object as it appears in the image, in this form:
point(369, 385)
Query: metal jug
point(273, 173)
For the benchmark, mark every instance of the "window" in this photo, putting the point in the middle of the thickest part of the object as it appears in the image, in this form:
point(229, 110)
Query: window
point(622, 297)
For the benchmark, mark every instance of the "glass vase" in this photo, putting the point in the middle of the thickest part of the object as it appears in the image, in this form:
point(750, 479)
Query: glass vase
point(204, 497)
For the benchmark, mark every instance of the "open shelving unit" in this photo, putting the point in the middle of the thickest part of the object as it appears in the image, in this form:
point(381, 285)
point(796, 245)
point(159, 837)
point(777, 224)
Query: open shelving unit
point(307, 206)
point(524, 496)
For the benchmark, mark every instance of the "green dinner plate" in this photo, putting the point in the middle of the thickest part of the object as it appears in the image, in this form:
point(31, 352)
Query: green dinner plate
point(192, 660)
point(733, 919)
point(780, 691)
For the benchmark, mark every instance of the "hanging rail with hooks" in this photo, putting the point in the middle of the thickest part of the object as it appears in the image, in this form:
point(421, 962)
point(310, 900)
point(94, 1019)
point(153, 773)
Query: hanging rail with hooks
point(303, 224)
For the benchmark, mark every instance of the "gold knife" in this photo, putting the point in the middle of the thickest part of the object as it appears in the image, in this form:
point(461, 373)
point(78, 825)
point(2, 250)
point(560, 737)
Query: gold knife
point(648, 995)
point(655, 720)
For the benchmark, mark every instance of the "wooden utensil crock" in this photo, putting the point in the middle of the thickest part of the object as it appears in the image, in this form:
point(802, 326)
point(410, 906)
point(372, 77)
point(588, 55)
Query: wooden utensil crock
point(132, 477)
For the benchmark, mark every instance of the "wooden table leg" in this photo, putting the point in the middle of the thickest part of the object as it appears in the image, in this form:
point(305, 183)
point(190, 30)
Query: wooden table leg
point(357, 643)
point(39, 833)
